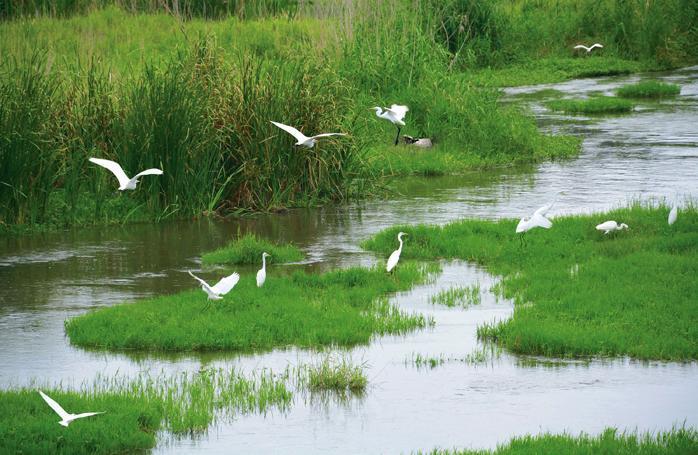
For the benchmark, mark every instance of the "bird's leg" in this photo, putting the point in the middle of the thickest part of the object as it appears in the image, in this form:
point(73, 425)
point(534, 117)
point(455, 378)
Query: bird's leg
point(397, 138)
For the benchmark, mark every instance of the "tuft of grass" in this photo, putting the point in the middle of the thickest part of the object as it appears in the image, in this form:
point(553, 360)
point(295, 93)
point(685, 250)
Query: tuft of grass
point(248, 249)
point(458, 296)
point(343, 307)
point(479, 356)
point(649, 89)
point(596, 105)
point(631, 294)
point(336, 375)
point(677, 441)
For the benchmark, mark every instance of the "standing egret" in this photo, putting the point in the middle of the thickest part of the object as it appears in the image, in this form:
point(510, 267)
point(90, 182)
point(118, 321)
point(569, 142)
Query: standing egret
point(395, 114)
point(395, 256)
point(66, 417)
point(673, 214)
point(588, 49)
point(302, 139)
point(221, 288)
point(125, 183)
point(529, 222)
point(262, 274)
point(611, 226)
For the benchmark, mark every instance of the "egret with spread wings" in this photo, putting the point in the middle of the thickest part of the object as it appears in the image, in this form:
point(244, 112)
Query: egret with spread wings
point(66, 417)
point(302, 139)
point(125, 183)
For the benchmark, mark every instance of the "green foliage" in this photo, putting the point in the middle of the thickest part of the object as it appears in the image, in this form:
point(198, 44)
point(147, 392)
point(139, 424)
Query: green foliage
point(458, 296)
point(337, 375)
point(574, 294)
point(649, 89)
point(248, 249)
point(343, 307)
point(596, 105)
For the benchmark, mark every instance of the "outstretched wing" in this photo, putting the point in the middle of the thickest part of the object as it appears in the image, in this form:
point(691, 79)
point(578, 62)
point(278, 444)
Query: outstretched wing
point(595, 45)
point(153, 171)
point(300, 137)
point(226, 284)
point(86, 414)
point(203, 283)
point(328, 135)
point(541, 221)
point(114, 167)
point(398, 111)
point(581, 46)
point(55, 406)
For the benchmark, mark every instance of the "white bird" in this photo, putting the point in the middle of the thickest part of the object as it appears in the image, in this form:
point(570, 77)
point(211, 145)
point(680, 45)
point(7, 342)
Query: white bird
point(546, 208)
point(221, 288)
point(588, 49)
point(395, 256)
point(611, 226)
point(529, 222)
point(302, 138)
point(125, 183)
point(673, 214)
point(395, 114)
point(66, 417)
point(262, 273)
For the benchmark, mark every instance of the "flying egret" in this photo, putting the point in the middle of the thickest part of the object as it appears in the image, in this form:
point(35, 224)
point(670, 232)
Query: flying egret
point(302, 139)
point(611, 226)
point(66, 417)
point(221, 288)
point(262, 274)
point(529, 222)
point(395, 114)
point(673, 214)
point(125, 183)
point(395, 256)
point(588, 49)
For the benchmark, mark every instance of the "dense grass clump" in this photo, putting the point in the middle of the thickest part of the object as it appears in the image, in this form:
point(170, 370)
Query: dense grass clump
point(344, 307)
point(674, 442)
point(336, 375)
point(248, 249)
point(463, 296)
point(596, 105)
point(574, 294)
point(649, 89)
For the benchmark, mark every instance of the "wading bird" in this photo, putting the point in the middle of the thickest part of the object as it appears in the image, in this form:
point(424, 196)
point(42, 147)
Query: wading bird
point(529, 222)
point(66, 417)
point(262, 274)
point(221, 288)
point(395, 256)
point(125, 183)
point(611, 226)
point(588, 49)
point(302, 139)
point(395, 114)
point(673, 214)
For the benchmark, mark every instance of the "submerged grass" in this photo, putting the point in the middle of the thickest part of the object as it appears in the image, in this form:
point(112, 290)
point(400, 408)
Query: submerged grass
point(336, 375)
point(649, 89)
point(248, 249)
point(600, 309)
point(343, 307)
point(596, 105)
point(458, 296)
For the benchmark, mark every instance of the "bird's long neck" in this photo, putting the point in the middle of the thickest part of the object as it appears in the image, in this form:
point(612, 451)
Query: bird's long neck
point(264, 263)
point(379, 112)
point(399, 249)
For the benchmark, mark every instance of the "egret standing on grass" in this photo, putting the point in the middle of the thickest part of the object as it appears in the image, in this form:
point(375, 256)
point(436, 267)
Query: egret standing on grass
point(611, 226)
point(673, 214)
point(588, 49)
point(395, 114)
point(125, 183)
point(221, 288)
point(302, 139)
point(529, 222)
point(262, 274)
point(392, 260)
point(66, 417)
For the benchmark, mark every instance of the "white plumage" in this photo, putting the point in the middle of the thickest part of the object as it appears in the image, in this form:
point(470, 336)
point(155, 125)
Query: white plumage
point(125, 183)
point(395, 256)
point(611, 226)
point(529, 222)
point(673, 214)
point(66, 417)
point(262, 273)
point(301, 138)
point(588, 49)
point(394, 114)
point(221, 288)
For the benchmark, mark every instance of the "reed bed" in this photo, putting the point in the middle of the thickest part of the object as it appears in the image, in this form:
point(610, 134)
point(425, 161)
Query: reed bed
point(649, 89)
point(248, 249)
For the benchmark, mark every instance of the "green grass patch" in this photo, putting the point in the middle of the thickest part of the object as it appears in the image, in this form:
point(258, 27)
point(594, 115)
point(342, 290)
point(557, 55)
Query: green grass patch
point(578, 292)
point(611, 441)
point(336, 375)
point(649, 89)
point(463, 296)
point(248, 249)
point(343, 307)
point(596, 105)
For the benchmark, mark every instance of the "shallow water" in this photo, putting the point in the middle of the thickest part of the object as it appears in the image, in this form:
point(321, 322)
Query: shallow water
point(652, 153)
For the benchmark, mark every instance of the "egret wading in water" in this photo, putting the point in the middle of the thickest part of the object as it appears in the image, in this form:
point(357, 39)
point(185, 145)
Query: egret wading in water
point(302, 139)
point(221, 288)
point(262, 273)
point(125, 183)
point(394, 114)
point(588, 49)
point(611, 226)
point(66, 417)
point(395, 256)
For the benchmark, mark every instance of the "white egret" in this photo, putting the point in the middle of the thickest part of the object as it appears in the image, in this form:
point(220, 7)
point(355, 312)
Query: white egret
point(66, 417)
point(546, 208)
point(611, 226)
point(588, 49)
point(395, 256)
point(221, 288)
point(529, 222)
point(125, 183)
point(262, 273)
point(673, 214)
point(302, 139)
point(394, 114)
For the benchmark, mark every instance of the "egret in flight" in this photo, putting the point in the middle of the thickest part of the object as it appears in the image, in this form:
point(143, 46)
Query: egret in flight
point(302, 139)
point(262, 274)
point(673, 214)
point(221, 288)
point(611, 226)
point(125, 183)
point(66, 417)
point(395, 256)
point(395, 114)
point(588, 49)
